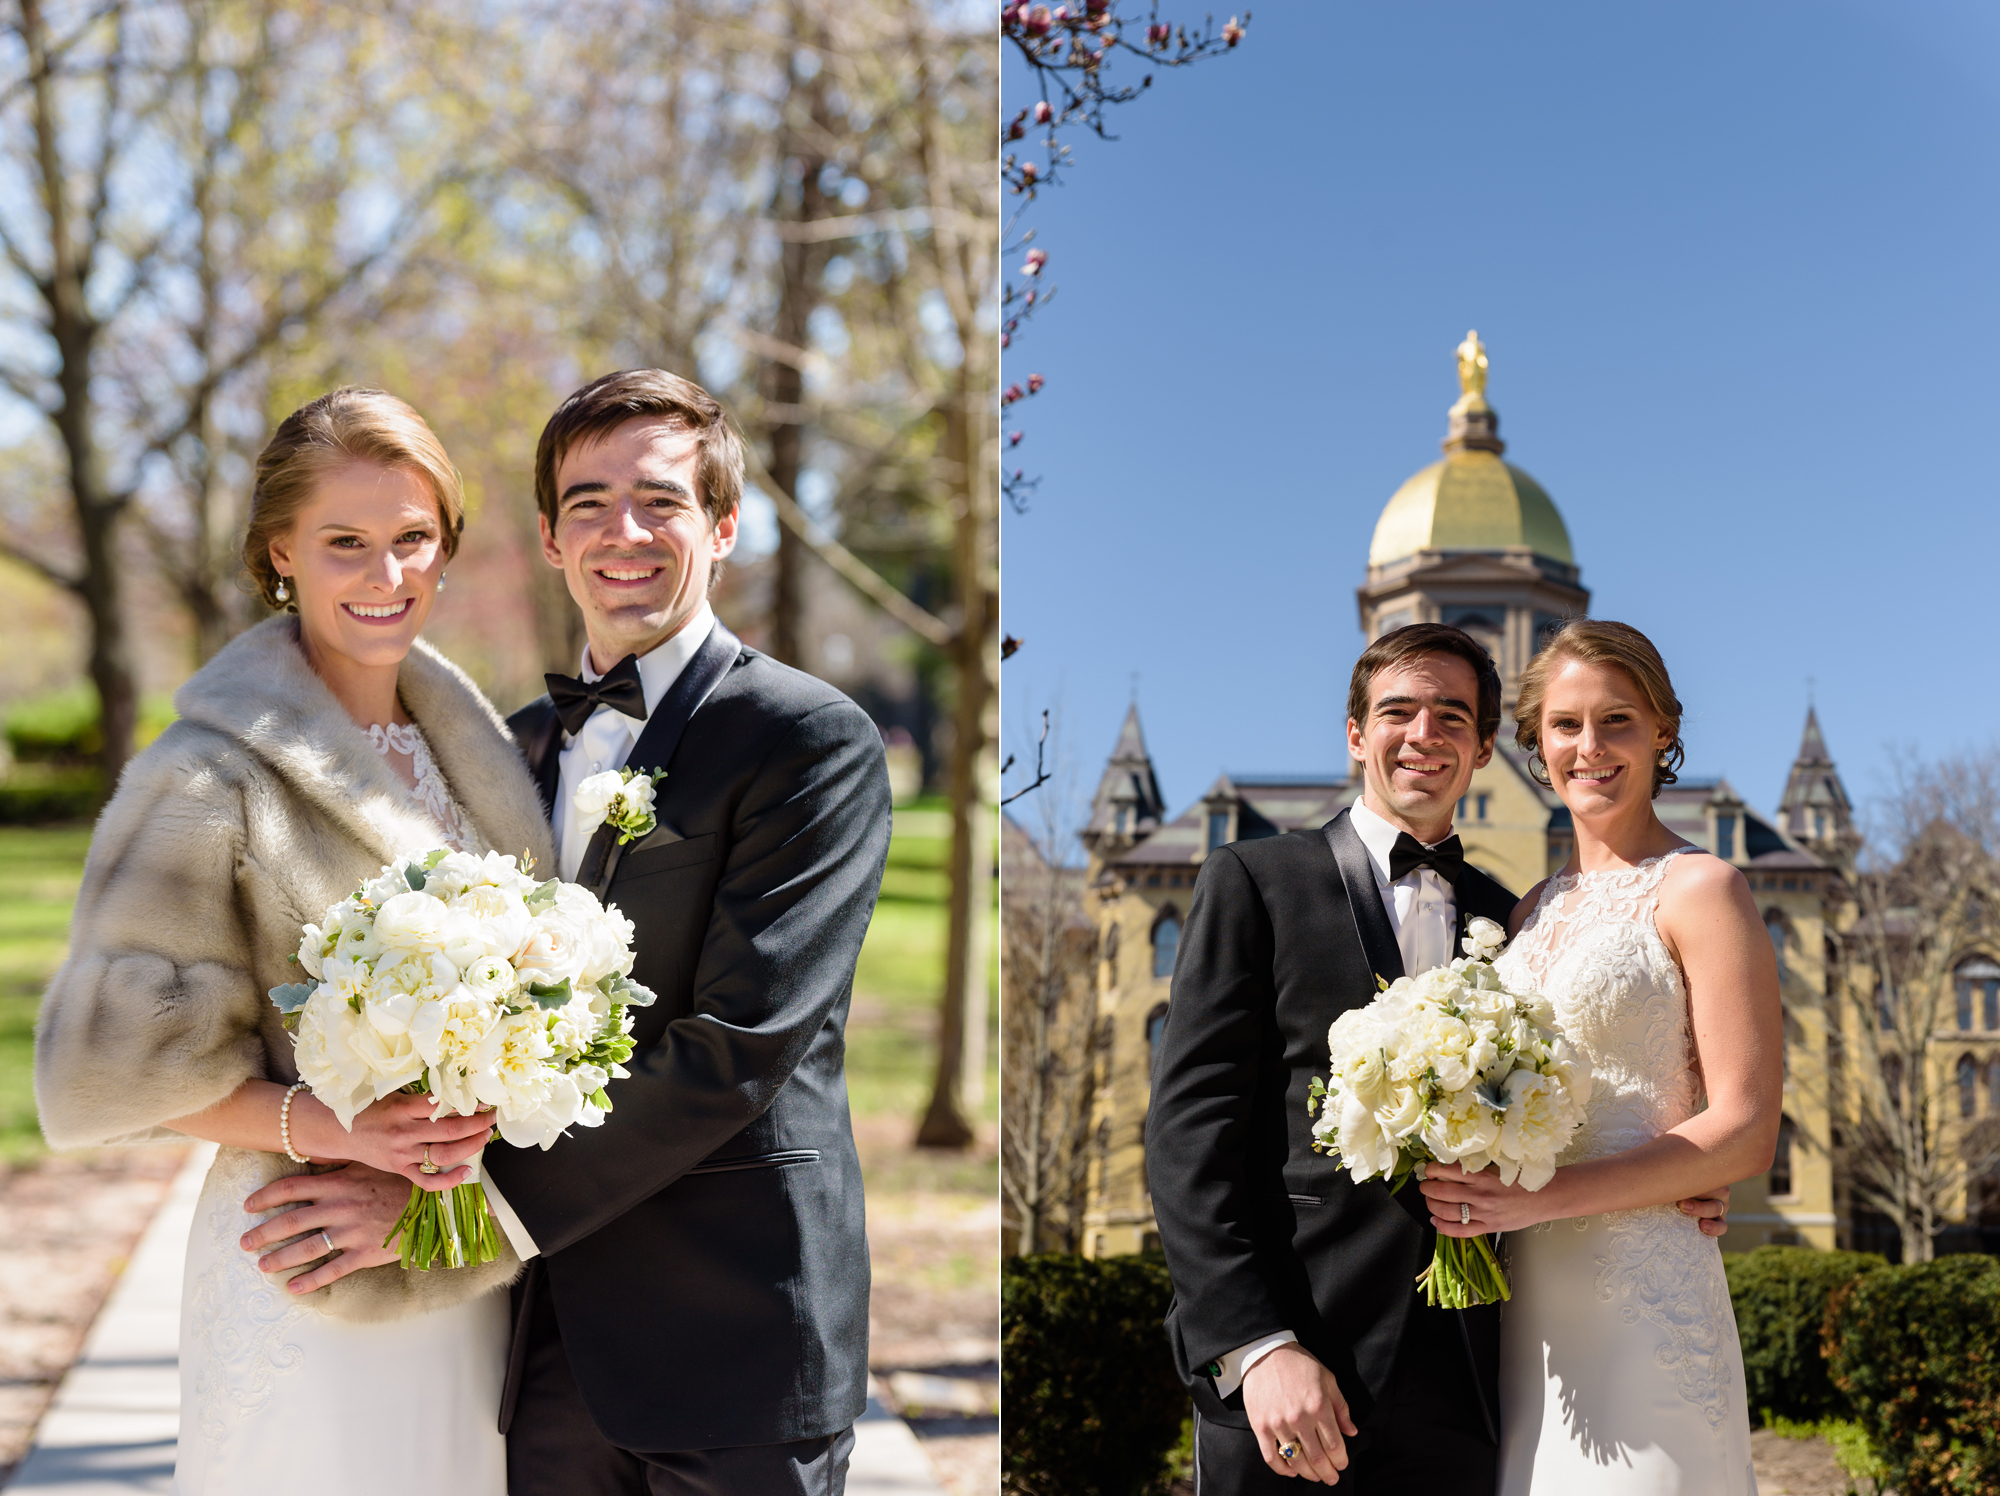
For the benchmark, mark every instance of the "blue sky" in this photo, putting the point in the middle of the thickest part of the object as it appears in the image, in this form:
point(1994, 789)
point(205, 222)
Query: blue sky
point(1737, 267)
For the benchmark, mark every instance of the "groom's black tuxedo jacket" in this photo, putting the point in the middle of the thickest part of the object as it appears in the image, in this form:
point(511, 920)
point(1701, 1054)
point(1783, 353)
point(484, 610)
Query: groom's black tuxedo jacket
point(704, 1248)
point(1261, 1233)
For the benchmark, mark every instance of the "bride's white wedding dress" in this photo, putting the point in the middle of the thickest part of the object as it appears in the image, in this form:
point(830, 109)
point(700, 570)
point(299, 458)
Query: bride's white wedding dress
point(278, 1399)
point(1620, 1371)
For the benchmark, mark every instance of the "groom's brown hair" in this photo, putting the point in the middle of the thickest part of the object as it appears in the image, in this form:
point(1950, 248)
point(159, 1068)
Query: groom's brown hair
point(1413, 639)
point(605, 404)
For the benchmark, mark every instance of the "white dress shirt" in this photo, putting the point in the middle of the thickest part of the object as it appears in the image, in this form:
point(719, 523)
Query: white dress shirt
point(609, 736)
point(1423, 910)
point(606, 742)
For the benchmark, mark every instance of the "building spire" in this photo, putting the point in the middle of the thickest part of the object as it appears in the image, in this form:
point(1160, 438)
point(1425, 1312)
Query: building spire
point(1475, 426)
point(1816, 810)
point(1128, 804)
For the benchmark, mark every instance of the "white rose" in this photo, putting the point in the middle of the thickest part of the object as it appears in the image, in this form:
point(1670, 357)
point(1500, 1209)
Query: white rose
point(490, 977)
point(1366, 1078)
point(592, 799)
point(1483, 939)
point(1403, 1113)
point(358, 940)
point(556, 949)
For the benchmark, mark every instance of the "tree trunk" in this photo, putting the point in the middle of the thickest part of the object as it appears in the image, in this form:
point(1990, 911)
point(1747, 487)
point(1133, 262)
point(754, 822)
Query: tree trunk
point(798, 294)
point(961, 1071)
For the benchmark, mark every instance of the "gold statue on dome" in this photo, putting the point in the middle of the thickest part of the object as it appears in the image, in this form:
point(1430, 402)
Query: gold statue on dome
point(1472, 367)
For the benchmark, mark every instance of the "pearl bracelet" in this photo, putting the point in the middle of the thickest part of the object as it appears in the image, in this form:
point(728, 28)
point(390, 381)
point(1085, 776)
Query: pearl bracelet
point(285, 1124)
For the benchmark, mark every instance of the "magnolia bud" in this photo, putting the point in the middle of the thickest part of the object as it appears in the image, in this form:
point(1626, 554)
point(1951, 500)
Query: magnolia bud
point(1043, 114)
point(1014, 438)
point(1036, 22)
point(1009, 395)
point(1232, 33)
point(1035, 383)
point(1030, 172)
point(1037, 258)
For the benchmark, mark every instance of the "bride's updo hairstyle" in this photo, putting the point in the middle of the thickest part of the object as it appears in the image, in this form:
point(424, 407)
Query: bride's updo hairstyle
point(1598, 641)
point(340, 427)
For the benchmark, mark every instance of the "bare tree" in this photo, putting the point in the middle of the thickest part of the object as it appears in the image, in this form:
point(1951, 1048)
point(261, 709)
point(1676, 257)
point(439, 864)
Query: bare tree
point(1906, 1150)
point(1048, 1028)
point(184, 188)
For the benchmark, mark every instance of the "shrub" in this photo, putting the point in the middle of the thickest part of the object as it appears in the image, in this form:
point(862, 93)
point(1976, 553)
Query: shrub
point(1917, 1351)
point(1780, 1296)
point(60, 727)
point(1093, 1404)
point(35, 793)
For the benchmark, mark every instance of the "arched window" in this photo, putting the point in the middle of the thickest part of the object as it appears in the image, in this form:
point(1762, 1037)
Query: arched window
point(1978, 983)
point(1156, 1024)
point(1968, 1086)
point(1774, 926)
point(1780, 1179)
point(1166, 942)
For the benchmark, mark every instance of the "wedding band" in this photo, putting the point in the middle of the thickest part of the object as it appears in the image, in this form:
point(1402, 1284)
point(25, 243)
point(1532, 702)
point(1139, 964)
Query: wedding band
point(427, 1167)
point(330, 1247)
point(1464, 1214)
point(1288, 1452)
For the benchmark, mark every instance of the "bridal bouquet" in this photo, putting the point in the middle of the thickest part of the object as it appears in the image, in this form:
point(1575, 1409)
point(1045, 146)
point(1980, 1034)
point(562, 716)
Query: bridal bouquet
point(462, 978)
point(1452, 1067)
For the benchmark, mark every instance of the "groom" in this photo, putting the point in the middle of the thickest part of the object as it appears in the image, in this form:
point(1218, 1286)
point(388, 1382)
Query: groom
point(1296, 1320)
point(694, 1318)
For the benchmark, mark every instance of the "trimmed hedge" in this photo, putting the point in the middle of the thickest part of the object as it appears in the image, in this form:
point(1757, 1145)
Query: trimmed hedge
point(1917, 1352)
point(1780, 1295)
point(35, 793)
point(1093, 1404)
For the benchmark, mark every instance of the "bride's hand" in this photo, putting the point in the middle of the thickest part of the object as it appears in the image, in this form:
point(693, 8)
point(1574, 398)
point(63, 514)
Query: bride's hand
point(350, 1209)
point(1495, 1206)
point(391, 1135)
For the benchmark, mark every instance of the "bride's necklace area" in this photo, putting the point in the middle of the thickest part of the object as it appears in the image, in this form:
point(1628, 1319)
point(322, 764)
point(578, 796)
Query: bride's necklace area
point(406, 739)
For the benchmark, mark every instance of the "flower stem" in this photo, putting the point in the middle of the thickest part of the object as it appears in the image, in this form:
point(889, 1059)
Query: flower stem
point(453, 1226)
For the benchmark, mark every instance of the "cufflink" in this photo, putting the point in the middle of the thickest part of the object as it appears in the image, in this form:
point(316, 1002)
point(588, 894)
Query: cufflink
point(1213, 1369)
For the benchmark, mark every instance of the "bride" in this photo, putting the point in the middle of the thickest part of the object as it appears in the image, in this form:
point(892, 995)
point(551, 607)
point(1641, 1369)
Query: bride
point(1620, 1367)
point(309, 752)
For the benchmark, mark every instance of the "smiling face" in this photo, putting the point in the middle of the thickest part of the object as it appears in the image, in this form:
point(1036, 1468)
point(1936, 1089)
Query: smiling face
point(1600, 740)
point(1421, 742)
point(362, 560)
point(631, 536)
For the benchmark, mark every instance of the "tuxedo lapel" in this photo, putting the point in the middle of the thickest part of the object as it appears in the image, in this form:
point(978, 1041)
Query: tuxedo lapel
point(1357, 873)
point(662, 734)
point(658, 740)
point(543, 750)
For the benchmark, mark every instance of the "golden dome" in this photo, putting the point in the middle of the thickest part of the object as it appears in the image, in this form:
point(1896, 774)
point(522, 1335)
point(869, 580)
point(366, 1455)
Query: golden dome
point(1472, 501)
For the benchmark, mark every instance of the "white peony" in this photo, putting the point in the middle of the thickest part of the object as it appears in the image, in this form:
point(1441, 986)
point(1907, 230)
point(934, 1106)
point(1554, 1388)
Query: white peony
point(1365, 1146)
point(1483, 939)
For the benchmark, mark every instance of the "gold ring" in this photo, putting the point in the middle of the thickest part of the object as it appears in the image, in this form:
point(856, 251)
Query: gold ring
point(1288, 1452)
point(427, 1167)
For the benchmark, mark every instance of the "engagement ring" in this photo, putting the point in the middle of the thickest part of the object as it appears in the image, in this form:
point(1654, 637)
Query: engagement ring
point(427, 1167)
point(1464, 1214)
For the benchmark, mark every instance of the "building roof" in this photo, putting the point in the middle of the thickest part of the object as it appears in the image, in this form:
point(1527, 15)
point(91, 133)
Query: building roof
point(1266, 805)
point(1129, 783)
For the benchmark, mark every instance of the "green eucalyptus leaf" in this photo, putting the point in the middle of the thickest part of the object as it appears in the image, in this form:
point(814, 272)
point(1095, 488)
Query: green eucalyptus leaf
point(415, 877)
point(547, 996)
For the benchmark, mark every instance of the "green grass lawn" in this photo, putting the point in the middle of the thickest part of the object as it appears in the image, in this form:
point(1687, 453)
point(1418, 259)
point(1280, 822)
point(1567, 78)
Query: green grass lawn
point(40, 867)
point(891, 1038)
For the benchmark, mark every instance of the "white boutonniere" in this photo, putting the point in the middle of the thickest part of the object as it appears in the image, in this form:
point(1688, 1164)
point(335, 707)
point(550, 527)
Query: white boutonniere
point(1483, 939)
point(624, 797)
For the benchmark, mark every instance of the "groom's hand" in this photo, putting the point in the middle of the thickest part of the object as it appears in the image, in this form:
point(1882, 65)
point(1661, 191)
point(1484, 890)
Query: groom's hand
point(1710, 1211)
point(355, 1206)
point(1292, 1399)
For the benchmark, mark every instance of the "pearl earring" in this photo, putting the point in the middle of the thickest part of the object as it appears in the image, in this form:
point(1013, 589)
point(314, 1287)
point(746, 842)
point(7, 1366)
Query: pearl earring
point(284, 593)
point(440, 581)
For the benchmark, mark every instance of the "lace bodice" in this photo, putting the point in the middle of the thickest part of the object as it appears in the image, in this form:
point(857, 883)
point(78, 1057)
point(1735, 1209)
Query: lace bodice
point(1591, 946)
point(432, 792)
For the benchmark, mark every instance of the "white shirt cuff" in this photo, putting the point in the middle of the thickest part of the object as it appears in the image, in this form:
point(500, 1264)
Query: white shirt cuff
point(524, 1244)
point(1231, 1368)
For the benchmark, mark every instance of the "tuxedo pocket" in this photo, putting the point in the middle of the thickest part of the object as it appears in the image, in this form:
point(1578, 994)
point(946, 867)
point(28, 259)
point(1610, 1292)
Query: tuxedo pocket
point(654, 856)
point(661, 835)
point(778, 1160)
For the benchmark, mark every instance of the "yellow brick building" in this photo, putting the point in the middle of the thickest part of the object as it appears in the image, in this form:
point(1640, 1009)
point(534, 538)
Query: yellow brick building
point(1476, 542)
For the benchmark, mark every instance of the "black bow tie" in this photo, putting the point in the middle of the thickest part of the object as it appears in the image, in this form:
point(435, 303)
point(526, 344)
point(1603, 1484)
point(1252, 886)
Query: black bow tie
point(1446, 859)
point(618, 688)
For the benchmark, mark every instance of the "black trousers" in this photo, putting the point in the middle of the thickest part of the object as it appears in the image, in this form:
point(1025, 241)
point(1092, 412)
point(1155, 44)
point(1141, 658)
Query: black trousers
point(554, 1447)
point(1427, 1434)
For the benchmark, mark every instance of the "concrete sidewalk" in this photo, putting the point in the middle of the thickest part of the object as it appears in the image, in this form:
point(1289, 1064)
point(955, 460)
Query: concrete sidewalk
point(113, 1425)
